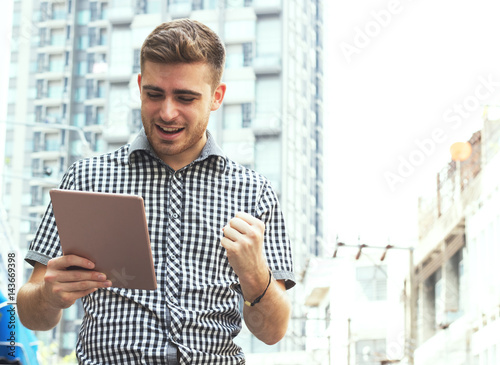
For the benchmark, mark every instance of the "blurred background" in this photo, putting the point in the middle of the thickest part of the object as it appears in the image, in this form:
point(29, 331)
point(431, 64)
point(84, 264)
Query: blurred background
point(378, 124)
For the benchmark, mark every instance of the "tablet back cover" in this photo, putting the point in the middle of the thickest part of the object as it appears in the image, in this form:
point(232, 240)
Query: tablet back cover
point(110, 230)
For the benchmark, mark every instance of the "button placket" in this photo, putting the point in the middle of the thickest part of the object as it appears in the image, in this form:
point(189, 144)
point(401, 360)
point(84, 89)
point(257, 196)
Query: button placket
point(175, 207)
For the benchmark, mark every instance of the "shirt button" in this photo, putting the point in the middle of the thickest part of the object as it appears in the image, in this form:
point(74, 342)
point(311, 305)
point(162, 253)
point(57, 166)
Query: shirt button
point(172, 257)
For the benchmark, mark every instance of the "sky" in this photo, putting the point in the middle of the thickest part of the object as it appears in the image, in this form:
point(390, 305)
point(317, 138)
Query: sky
point(403, 81)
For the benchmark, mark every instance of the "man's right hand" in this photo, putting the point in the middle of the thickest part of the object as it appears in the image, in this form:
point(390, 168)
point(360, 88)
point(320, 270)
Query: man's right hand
point(54, 287)
point(69, 278)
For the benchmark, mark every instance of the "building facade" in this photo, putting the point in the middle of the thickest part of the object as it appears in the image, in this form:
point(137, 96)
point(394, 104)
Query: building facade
point(458, 297)
point(73, 93)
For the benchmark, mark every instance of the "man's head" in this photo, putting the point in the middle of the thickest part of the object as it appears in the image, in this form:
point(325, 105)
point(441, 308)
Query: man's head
point(180, 85)
point(185, 41)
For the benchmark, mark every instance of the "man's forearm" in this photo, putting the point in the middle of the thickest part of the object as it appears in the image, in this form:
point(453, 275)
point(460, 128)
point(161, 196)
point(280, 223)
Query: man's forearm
point(268, 319)
point(34, 312)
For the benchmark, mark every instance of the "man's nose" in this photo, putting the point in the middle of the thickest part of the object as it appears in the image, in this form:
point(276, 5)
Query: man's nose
point(169, 110)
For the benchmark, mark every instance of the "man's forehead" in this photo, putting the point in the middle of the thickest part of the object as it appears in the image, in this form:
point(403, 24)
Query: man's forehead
point(183, 76)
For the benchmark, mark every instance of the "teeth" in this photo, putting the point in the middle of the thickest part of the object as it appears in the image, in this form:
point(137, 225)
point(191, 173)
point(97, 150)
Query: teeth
point(170, 130)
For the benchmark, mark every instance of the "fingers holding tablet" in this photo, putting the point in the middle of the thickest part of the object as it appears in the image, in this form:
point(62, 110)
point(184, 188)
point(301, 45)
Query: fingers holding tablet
point(69, 278)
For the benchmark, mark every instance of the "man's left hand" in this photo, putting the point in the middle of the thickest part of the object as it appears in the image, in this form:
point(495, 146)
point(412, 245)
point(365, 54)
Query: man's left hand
point(243, 240)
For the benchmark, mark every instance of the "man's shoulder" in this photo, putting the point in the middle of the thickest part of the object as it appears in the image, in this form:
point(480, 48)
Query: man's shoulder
point(239, 171)
point(117, 157)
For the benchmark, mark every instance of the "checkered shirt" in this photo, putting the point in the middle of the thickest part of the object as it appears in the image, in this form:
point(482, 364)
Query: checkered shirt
point(195, 309)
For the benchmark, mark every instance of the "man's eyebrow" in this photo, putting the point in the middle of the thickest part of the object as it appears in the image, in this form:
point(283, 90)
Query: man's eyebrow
point(153, 88)
point(176, 91)
point(186, 92)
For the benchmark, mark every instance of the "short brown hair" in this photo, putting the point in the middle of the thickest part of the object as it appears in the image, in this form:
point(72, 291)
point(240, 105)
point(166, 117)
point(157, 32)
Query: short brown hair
point(185, 41)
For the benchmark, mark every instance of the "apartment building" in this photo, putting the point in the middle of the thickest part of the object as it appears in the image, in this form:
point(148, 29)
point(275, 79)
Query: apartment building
point(73, 93)
point(458, 310)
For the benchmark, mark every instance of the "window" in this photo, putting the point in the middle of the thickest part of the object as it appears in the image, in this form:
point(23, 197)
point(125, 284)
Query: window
point(180, 6)
point(89, 116)
point(83, 17)
point(42, 37)
point(40, 63)
point(52, 142)
point(268, 160)
point(104, 11)
point(38, 113)
point(103, 36)
point(232, 117)
point(136, 119)
point(120, 57)
point(90, 62)
point(137, 61)
point(94, 11)
point(373, 282)
point(234, 56)
point(153, 7)
point(53, 114)
point(58, 11)
point(83, 42)
point(55, 89)
point(100, 115)
point(268, 101)
point(81, 68)
point(240, 29)
point(268, 37)
point(101, 89)
point(57, 37)
point(39, 89)
point(209, 4)
point(247, 54)
point(235, 3)
point(92, 36)
point(66, 58)
point(89, 90)
point(79, 120)
point(246, 111)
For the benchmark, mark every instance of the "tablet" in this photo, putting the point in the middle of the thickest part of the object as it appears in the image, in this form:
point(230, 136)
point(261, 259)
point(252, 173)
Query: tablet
point(108, 229)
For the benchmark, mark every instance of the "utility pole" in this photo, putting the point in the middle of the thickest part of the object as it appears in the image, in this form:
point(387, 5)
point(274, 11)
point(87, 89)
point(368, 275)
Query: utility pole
point(412, 340)
point(348, 341)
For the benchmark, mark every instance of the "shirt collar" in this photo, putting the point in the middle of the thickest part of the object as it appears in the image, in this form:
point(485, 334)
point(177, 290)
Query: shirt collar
point(211, 148)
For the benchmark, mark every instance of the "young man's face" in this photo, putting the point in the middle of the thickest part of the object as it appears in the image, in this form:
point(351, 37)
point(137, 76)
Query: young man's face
point(176, 101)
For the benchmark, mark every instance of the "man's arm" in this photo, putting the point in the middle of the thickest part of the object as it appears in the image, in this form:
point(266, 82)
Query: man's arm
point(52, 288)
point(243, 240)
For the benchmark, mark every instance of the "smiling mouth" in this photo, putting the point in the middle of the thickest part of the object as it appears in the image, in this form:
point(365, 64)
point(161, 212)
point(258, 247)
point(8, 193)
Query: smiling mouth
point(170, 130)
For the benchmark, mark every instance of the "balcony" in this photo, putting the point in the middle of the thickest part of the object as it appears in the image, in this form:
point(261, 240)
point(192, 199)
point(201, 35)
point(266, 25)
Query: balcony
point(118, 16)
point(267, 7)
point(267, 65)
point(180, 10)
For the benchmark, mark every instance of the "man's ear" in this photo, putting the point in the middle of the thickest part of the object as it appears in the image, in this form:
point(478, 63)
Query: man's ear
point(219, 93)
point(139, 82)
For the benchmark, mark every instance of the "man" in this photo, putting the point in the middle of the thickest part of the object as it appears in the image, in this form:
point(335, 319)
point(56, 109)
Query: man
point(216, 229)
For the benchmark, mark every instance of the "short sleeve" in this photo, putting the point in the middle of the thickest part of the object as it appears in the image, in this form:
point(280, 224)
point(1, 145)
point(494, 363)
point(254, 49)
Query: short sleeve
point(276, 242)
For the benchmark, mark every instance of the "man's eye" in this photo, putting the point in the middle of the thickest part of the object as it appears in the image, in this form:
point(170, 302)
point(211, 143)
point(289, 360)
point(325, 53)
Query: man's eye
point(154, 96)
point(186, 99)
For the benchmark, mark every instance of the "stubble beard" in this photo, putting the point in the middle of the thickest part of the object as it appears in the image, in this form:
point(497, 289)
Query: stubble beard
point(172, 148)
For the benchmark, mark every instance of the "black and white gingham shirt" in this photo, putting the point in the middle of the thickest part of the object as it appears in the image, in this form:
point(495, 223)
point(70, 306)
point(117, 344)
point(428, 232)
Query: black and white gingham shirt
point(195, 309)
